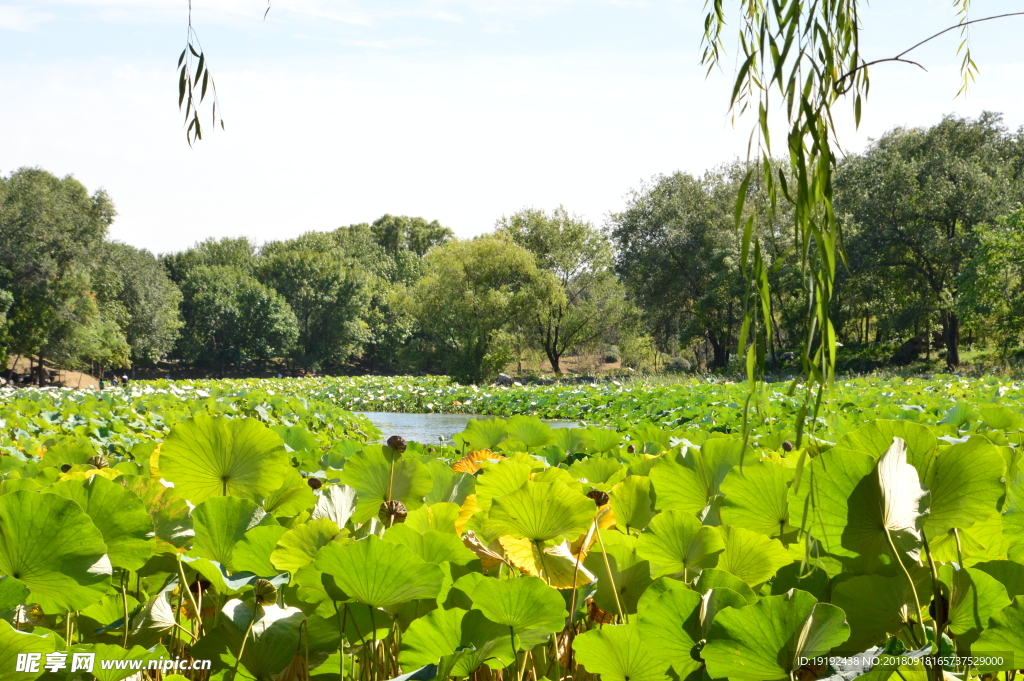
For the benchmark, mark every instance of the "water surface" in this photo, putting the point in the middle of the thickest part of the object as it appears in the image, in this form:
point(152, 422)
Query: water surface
point(430, 428)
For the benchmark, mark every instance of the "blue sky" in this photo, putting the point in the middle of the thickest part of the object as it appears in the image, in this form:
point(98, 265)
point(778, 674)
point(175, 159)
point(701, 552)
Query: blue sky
point(338, 111)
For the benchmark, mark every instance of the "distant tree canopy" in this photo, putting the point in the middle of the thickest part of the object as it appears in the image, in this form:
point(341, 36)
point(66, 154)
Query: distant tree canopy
point(931, 219)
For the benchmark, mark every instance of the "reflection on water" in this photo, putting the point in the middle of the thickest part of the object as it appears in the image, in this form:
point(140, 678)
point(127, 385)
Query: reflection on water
point(430, 428)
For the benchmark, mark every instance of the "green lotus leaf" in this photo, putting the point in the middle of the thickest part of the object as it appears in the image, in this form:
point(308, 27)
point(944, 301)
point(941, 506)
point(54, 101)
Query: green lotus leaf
point(633, 502)
point(379, 573)
point(719, 579)
point(679, 488)
point(676, 542)
point(14, 643)
point(974, 596)
point(714, 601)
point(764, 641)
point(553, 474)
point(50, 544)
point(1002, 643)
point(252, 552)
point(448, 485)
point(620, 572)
point(752, 557)
point(597, 469)
point(432, 546)
point(337, 503)
point(571, 440)
point(274, 638)
point(170, 513)
point(1013, 518)
point(299, 546)
point(670, 627)
point(982, 541)
point(107, 614)
point(617, 654)
point(521, 603)
point(542, 511)
point(1007, 573)
point(603, 439)
point(155, 620)
point(756, 498)
point(530, 430)
point(875, 439)
point(500, 479)
point(796, 575)
point(440, 517)
point(220, 523)
point(290, 499)
point(376, 479)
point(860, 503)
point(966, 486)
point(296, 438)
point(431, 637)
point(887, 611)
point(1000, 418)
point(210, 456)
point(120, 515)
point(72, 453)
point(12, 593)
point(457, 640)
point(484, 433)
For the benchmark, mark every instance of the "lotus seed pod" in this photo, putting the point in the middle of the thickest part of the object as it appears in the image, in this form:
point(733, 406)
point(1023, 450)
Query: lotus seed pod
point(397, 443)
point(787, 446)
point(631, 449)
point(98, 461)
point(392, 513)
point(600, 498)
point(65, 468)
point(315, 483)
point(265, 592)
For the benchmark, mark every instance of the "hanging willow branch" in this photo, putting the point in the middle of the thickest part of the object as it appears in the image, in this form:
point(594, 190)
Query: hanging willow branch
point(802, 57)
point(194, 82)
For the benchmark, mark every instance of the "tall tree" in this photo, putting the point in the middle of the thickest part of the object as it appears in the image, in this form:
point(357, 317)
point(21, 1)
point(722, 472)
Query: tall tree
point(231, 318)
point(677, 253)
point(399, 233)
point(50, 231)
point(471, 292)
point(239, 253)
point(917, 195)
point(580, 258)
point(328, 291)
point(134, 279)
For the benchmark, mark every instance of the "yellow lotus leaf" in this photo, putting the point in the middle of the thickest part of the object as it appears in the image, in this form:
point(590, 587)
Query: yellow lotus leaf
point(556, 565)
point(471, 462)
point(469, 508)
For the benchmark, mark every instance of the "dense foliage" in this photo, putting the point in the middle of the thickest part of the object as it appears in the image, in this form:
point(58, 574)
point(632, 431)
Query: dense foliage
point(254, 526)
point(930, 219)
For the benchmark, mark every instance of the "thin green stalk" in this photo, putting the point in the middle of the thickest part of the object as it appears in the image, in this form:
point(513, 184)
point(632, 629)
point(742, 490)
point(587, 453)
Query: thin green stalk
point(913, 588)
point(515, 652)
point(124, 603)
point(937, 599)
point(191, 598)
point(959, 548)
point(241, 650)
point(615, 589)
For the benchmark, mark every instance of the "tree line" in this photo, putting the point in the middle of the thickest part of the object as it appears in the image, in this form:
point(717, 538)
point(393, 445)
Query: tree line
point(933, 236)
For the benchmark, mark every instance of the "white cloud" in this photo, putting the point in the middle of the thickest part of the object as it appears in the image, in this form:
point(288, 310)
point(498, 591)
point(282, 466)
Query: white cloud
point(21, 17)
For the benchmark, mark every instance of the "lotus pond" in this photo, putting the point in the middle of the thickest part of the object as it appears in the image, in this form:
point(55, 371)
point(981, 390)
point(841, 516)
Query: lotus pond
point(251, 525)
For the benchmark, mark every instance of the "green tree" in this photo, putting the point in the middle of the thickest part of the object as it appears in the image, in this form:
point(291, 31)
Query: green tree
point(992, 283)
point(231, 318)
point(50, 231)
point(239, 253)
point(328, 291)
point(593, 303)
point(471, 292)
point(677, 253)
point(134, 279)
point(915, 198)
point(399, 233)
